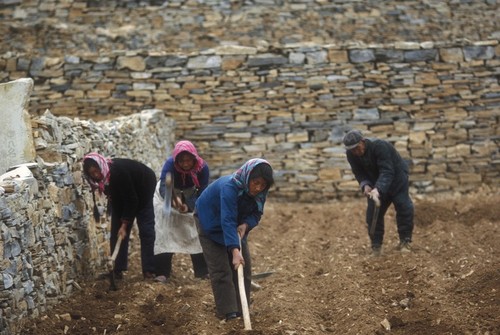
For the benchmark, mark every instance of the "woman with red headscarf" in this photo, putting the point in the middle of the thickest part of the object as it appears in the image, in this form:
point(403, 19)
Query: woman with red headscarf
point(175, 230)
point(129, 186)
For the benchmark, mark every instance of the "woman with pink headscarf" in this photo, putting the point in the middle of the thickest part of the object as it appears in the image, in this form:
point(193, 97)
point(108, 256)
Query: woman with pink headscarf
point(176, 231)
point(129, 186)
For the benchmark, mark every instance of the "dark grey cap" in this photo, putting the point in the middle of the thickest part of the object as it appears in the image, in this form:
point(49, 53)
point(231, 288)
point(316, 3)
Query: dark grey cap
point(352, 139)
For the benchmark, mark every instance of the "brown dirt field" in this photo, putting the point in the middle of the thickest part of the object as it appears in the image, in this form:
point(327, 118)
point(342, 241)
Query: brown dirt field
point(325, 281)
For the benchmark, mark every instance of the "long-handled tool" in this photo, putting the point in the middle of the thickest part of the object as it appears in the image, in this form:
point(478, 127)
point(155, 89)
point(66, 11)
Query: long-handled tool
point(111, 265)
point(167, 205)
point(376, 209)
point(243, 297)
point(179, 205)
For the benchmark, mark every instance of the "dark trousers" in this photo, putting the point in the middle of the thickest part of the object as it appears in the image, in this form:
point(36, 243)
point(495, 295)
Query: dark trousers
point(223, 277)
point(404, 215)
point(164, 264)
point(146, 223)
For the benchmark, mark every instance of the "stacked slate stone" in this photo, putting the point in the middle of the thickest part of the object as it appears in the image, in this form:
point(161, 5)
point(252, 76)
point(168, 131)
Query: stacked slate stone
point(48, 239)
point(41, 27)
point(239, 92)
point(435, 102)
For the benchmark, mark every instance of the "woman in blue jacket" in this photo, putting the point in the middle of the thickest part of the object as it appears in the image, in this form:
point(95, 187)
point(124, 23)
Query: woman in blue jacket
point(226, 212)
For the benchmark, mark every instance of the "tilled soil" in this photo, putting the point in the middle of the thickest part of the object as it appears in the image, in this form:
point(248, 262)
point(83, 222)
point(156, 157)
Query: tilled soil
point(324, 280)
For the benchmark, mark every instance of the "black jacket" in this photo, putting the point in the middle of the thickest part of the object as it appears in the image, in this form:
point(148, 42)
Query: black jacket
point(381, 167)
point(131, 187)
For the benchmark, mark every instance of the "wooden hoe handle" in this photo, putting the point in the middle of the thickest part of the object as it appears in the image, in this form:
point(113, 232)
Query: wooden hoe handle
point(117, 248)
point(243, 297)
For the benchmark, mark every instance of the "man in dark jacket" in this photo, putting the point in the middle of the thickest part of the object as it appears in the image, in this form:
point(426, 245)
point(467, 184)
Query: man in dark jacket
point(381, 173)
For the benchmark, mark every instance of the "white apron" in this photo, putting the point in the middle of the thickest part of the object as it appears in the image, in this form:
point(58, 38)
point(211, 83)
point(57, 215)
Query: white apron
point(177, 234)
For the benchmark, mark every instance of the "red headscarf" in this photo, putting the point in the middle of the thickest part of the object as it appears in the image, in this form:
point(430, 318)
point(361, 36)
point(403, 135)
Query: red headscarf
point(103, 163)
point(186, 146)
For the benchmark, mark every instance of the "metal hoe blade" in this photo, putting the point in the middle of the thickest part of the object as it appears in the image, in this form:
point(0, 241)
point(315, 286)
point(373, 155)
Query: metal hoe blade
point(262, 275)
point(112, 281)
point(111, 265)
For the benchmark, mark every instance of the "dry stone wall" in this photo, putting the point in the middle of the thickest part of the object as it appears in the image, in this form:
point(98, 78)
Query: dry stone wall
point(49, 241)
point(55, 27)
point(438, 103)
point(279, 78)
point(283, 79)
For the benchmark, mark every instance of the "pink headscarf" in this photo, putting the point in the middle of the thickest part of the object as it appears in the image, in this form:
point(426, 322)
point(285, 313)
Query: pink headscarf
point(103, 163)
point(189, 147)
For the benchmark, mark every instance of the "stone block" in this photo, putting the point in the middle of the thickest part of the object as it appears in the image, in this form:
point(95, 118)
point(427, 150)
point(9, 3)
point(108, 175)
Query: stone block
point(16, 135)
point(435, 169)
point(332, 174)
point(478, 52)
point(136, 63)
point(426, 55)
point(382, 128)
point(297, 58)
point(99, 94)
point(470, 178)
point(483, 148)
point(260, 148)
point(443, 183)
point(389, 55)
point(295, 137)
point(348, 186)
point(417, 138)
point(361, 55)
point(430, 79)
point(232, 63)
point(204, 62)
point(139, 94)
point(235, 50)
point(266, 60)
point(451, 55)
point(407, 45)
point(424, 126)
point(317, 57)
point(366, 114)
point(237, 136)
point(11, 65)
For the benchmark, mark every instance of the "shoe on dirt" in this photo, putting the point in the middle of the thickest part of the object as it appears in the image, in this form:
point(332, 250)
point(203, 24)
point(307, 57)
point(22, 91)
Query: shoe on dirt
point(232, 316)
point(148, 275)
point(405, 246)
point(161, 279)
point(376, 251)
point(203, 277)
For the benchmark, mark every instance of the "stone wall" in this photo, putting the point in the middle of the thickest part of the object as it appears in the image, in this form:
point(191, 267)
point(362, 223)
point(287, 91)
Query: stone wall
point(49, 240)
point(279, 78)
point(437, 102)
point(283, 79)
point(55, 27)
